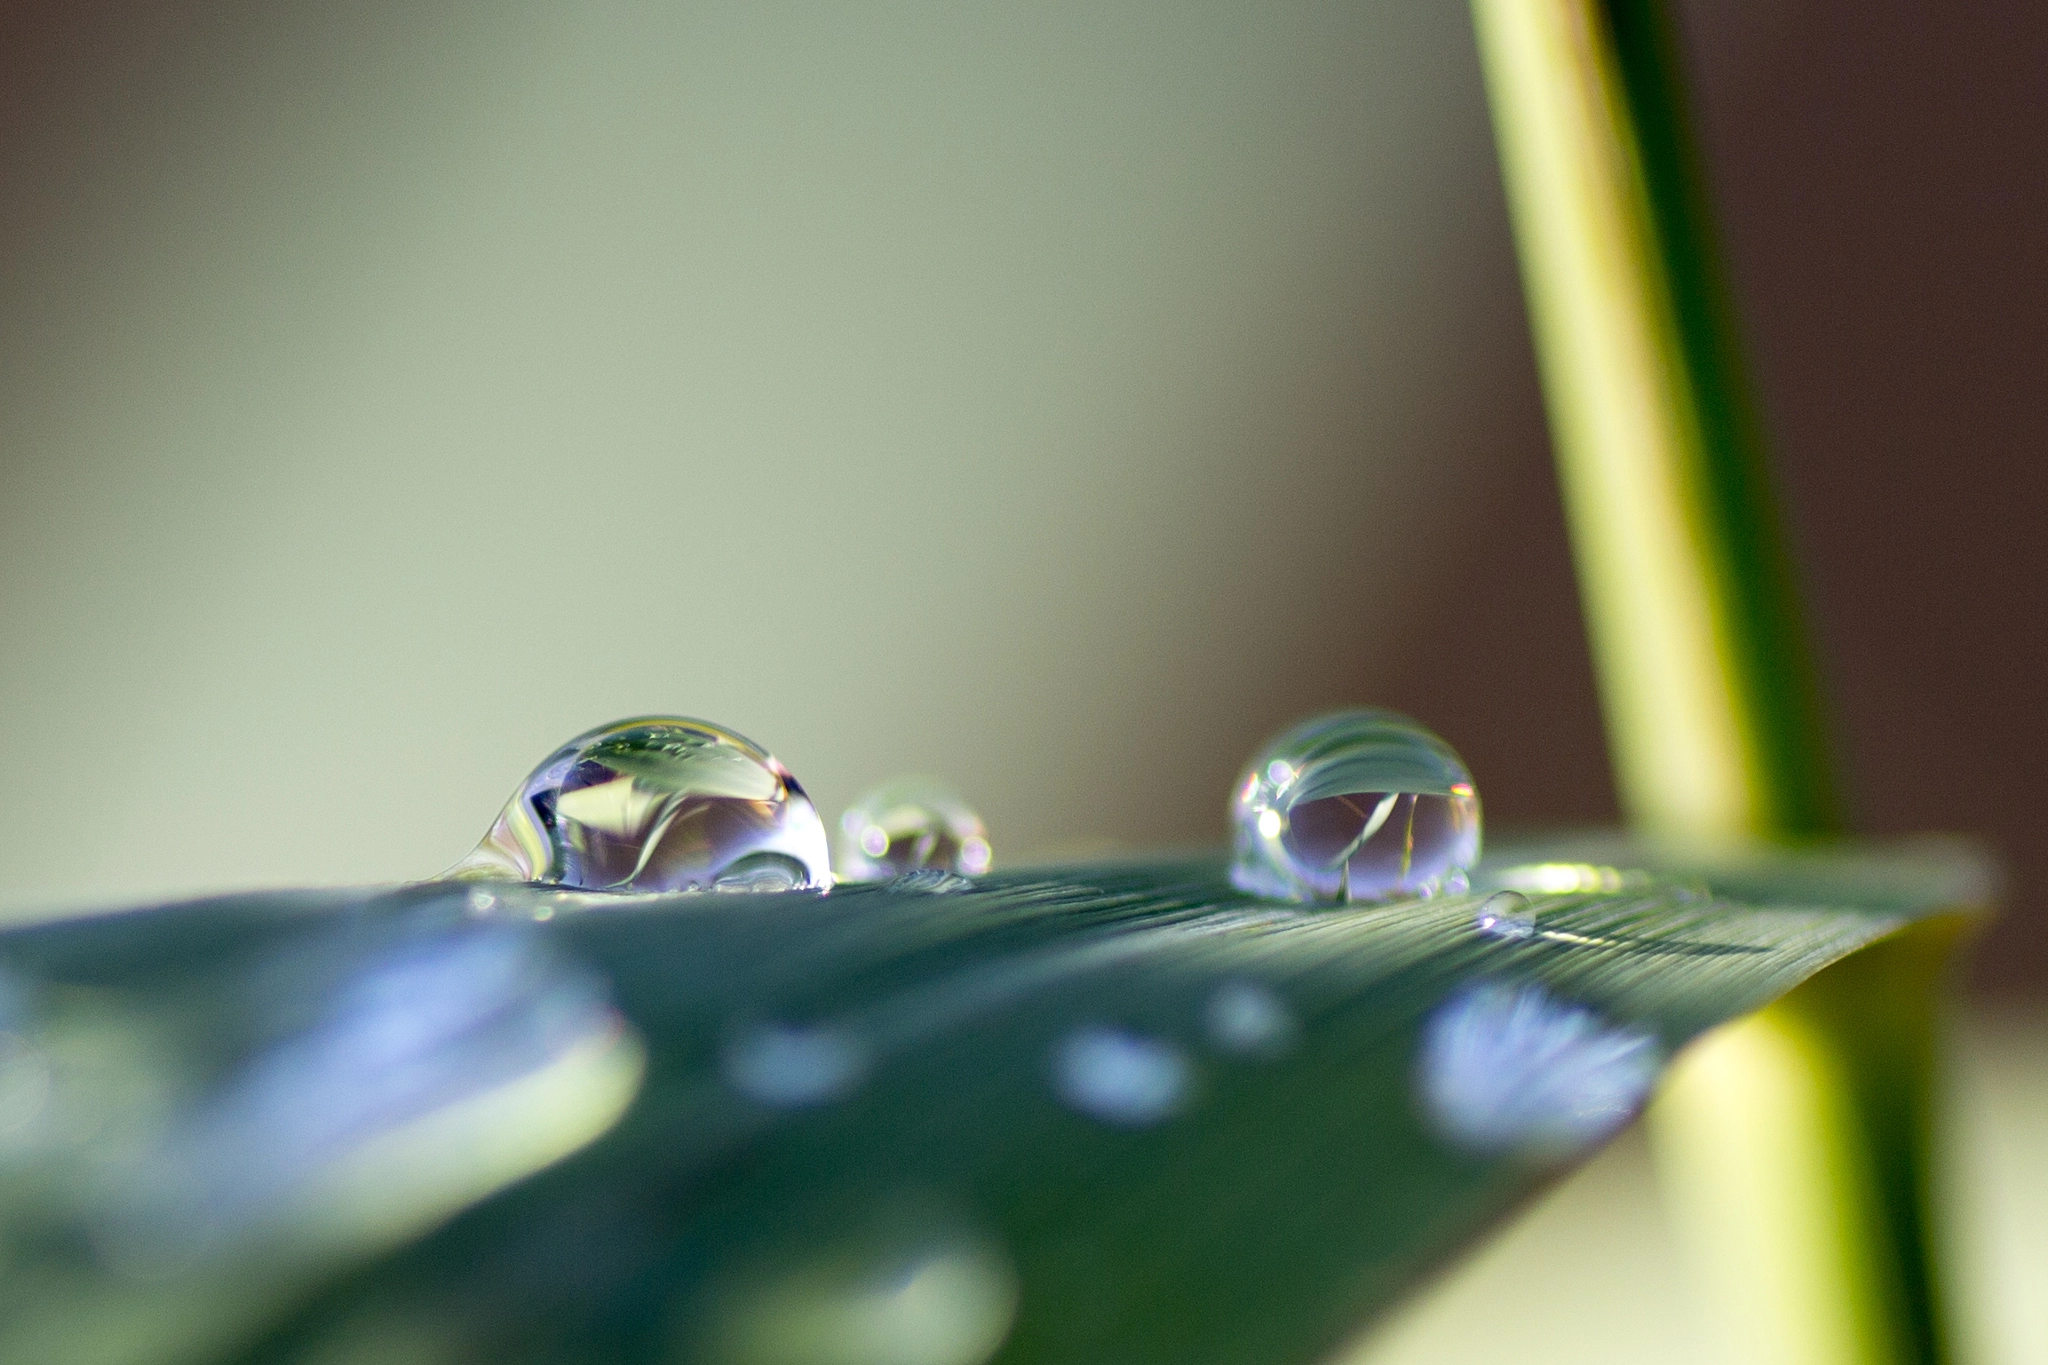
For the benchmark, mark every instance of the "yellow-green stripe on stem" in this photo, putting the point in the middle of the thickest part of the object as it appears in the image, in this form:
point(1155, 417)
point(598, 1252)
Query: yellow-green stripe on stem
point(1797, 1139)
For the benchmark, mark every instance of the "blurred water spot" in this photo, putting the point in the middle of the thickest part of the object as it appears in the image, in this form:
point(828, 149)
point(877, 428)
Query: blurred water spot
point(1247, 1019)
point(900, 1294)
point(1120, 1077)
point(443, 1070)
point(25, 1083)
point(1509, 1068)
point(791, 1067)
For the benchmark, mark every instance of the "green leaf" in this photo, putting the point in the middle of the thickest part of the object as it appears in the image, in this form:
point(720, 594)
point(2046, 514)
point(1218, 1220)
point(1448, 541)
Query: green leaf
point(1099, 1113)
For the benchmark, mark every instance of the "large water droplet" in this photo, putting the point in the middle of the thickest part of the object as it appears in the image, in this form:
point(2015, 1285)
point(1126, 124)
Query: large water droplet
point(906, 825)
point(657, 804)
point(1354, 806)
point(1121, 1078)
point(1509, 1068)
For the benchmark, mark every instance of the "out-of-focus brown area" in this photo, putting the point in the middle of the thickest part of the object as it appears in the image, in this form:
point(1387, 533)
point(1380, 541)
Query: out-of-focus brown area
point(1881, 174)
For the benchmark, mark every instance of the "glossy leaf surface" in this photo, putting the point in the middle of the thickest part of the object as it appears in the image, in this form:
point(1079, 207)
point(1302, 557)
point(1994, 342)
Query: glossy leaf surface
point(1118, 1112)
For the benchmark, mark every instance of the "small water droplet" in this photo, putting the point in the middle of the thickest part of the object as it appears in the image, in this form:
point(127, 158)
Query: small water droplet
point(1506, 914)
point(907, 824)
point(1120, 1077)
point(1358, 805)
point(1508, 1068)
point(787, 1066)
point(658, 804)
point(1249, 1020)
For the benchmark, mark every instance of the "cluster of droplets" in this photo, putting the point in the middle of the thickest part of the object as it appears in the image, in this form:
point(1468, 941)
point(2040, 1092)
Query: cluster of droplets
point(665, 803)
point(1360, 805)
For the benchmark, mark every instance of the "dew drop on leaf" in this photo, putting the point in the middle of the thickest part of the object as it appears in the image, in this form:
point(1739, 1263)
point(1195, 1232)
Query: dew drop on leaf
point(1361, 805)
point(906, 825)
point(657, 804)
point(1506, 914)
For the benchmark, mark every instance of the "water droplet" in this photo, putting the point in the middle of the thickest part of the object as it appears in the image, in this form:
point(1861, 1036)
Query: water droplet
point(1506, 914)
point(1507, 1068)
point(790, 1067)
point(659, 804)
point(1354, 806)
point(906, 1291)
point(1120, 1077)
point(907, 824)
point(1249, 1020)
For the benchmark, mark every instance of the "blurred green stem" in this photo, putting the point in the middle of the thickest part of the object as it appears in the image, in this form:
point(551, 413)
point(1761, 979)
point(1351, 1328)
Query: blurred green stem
point(1800, 1138)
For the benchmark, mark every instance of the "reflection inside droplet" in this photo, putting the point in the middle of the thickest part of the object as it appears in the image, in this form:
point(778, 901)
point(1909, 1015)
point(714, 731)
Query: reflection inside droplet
point(1509, 1068)
point(1120, 1077)
point(1355, 805)
point(791, 1067)
point(1506, 914)
point(660, 804)
point(930, 881)
point(906, 825)
point(1249, 1020)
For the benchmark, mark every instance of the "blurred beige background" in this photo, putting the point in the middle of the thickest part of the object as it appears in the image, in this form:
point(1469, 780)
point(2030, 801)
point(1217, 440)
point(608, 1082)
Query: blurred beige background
point(1058, 397)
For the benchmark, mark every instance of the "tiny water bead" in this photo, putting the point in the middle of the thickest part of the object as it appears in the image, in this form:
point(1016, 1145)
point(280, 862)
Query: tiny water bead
point(657, 804)
point(1360, 805)
point(910, 824)
point(1506, 914)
